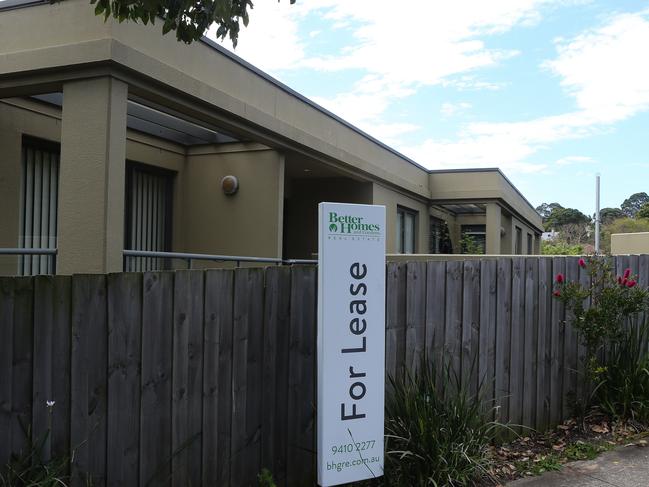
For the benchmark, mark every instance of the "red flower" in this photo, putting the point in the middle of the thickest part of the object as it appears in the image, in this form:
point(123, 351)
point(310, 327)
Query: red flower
point(627, 273)
point(559, 278)
point(582, 263)
point(619, 280)
point(557, 293)
point(631, 283)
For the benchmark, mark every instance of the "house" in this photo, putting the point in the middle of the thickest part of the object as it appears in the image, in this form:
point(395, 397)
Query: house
point(115, 137)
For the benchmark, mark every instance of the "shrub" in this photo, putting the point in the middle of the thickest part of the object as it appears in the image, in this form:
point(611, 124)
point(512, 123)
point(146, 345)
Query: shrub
point(437, 433)
point(622, 389)
point(560, 248)
point(617, 359)
point(613, 301)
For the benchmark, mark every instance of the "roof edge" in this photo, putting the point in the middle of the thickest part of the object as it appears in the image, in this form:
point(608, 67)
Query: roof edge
point(14, 4)
point(486, 169)
point(287, 89)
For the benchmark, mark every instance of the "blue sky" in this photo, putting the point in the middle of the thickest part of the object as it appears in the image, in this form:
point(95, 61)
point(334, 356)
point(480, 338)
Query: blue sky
point(552, 92)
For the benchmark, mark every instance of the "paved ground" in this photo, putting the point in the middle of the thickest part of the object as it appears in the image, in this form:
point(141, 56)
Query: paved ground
point(623, 467)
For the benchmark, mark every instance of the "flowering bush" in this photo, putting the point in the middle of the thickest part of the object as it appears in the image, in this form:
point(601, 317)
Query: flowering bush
point(621, 375)
point(600, 310)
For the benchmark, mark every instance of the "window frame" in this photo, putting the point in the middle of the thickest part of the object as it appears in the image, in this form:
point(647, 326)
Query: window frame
point(518, 243)
point(130, 168)
point(402, 211)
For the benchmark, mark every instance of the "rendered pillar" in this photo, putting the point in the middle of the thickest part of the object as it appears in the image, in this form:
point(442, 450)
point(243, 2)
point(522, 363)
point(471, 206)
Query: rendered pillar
point(92, 172)
point(493, 225)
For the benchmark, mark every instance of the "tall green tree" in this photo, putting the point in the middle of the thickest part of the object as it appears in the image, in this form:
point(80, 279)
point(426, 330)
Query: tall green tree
point(189, 19)
point(609, 215)
point(633, 203)
point(643, 212)
point(544, 209)
point(565, 216)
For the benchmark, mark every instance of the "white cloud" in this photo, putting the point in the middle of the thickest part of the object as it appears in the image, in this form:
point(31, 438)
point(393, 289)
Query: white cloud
point(603, 69)
point(451, 109)
point(398, 51)
point(271, 41)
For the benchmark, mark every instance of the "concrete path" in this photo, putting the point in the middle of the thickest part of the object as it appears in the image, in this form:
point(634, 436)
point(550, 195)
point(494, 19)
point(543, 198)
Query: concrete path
point(624, 467)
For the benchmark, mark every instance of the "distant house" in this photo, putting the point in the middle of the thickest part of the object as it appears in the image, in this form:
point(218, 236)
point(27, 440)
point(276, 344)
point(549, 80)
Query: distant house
point(114, 137)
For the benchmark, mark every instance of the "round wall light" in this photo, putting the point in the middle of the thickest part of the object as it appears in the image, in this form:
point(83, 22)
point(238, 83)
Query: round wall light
point(230, 185)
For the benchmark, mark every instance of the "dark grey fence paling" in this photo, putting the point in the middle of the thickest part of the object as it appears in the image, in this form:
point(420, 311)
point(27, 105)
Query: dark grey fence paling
point(206, 377)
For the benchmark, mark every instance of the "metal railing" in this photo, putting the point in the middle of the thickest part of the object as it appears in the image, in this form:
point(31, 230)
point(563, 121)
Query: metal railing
point(18, 251)
point(30, 267)
point(190, 257)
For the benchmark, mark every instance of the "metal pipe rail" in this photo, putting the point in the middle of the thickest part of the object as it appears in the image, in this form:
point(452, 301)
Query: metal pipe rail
point(189, 257)
point(17, 251)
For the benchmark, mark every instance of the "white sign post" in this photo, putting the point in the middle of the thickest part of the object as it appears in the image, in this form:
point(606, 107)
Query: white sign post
point(351, 342)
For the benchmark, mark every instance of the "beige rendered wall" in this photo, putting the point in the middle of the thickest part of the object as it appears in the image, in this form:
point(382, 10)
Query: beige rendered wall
point(392, 199)
point(630, 243)
point(247, 223)
point(485, 184)
point(525, 229)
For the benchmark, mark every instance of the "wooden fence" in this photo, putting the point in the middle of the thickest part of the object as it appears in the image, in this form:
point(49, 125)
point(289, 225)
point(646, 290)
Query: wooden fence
point(195, 378)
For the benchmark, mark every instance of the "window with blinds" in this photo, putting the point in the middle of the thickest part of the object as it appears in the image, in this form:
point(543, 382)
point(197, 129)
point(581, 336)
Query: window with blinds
point(148, 209)
point(39, 195)
point(406, 230)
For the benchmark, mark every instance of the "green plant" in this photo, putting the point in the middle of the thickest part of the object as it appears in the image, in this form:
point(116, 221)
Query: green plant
point(560, 248)
point(617, 360)
point(469, 245)
point(28, 470)
point(600, 310)
point(548, 463)
point(583, 451)
point(265, 478)
point(437, 432)
point(622, 389)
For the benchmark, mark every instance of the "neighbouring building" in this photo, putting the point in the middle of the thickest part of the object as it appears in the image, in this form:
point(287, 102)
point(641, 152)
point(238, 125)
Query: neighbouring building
point(115, 137)
point(630, 243)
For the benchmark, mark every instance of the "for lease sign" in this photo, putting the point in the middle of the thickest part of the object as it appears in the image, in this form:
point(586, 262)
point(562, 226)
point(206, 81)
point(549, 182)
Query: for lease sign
point(351, 342)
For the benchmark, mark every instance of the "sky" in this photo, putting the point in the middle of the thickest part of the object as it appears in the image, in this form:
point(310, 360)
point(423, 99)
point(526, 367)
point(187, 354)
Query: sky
point(551, 92)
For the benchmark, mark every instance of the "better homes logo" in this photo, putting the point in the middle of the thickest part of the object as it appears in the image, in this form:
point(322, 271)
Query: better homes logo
point(351, 225)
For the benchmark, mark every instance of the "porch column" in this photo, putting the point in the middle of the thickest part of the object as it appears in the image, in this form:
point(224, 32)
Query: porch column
point(493, 225)
point(91, 177)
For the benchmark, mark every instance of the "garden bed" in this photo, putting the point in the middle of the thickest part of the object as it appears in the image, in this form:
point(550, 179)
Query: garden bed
point(573, 440)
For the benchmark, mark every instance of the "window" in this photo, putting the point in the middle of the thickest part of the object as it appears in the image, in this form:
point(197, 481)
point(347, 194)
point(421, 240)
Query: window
point(148, 214)
point(440, 242)
point(406, 230)
point(519, 241)
point(38, 206)
point(474, 239)
point(530, 244)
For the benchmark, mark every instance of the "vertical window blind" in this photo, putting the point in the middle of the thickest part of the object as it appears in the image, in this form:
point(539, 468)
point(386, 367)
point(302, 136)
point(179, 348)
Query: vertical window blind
point(148, 214)
point(39, 196)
